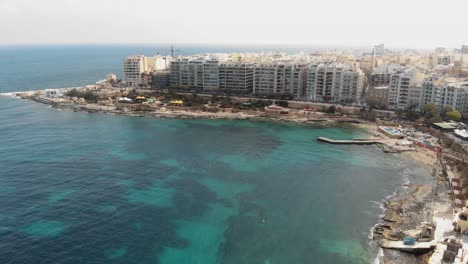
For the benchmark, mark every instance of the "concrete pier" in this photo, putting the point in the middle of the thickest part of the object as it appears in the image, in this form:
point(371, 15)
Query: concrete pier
point(351, 142)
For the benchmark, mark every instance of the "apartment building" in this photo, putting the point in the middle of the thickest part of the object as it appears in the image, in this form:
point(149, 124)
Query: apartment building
point(264, 79)
point(451, 92)
point(133, 68)
point(211, 74)
point(291, 79)
point(179, 73)
point(196, 73)
point(405, 89)
point(334, 82)
point(280, 78)
point(381, 75)
point(236, 77)
point(429, 91)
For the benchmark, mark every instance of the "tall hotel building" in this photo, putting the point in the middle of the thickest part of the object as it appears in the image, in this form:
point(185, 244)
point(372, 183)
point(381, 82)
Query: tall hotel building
point(334, 83)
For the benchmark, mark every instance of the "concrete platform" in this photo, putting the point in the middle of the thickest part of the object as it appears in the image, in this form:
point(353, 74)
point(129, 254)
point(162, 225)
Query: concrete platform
point(419, 247)
point(351, 142)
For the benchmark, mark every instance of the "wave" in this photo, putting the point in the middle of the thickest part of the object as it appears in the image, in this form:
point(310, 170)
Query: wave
point(379, 256)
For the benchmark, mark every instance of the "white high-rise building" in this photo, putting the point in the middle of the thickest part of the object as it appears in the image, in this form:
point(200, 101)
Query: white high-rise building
point(405, 89)
point(133, 68)
point(335, 83)
point(195, 73)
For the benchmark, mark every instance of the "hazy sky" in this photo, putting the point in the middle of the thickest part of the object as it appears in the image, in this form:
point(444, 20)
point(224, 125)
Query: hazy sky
point(397, 23)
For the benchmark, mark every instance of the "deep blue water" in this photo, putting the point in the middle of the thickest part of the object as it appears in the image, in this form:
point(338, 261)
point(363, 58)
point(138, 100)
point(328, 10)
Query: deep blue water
point(91, 188)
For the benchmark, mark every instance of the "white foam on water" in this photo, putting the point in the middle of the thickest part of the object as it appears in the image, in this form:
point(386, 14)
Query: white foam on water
point(379, 256)
point(13, 94)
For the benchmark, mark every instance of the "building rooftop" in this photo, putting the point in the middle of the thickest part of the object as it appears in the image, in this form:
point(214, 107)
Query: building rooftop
point(445, 125)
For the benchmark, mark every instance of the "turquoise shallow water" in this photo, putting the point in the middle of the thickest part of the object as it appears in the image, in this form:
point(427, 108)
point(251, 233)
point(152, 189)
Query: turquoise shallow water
point(83, 188)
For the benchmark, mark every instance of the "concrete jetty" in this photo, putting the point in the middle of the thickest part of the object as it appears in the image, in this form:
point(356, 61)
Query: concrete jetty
point(355, 141)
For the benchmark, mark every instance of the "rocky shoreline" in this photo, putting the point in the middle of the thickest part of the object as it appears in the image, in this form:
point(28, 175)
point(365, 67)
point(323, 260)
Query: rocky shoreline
point(407, 213)
point(155, 113)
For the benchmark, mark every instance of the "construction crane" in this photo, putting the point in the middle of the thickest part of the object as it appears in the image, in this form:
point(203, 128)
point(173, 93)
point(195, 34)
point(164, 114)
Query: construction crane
point(172, 51)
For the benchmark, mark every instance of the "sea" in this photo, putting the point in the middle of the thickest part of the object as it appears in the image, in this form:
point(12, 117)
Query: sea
point(96, 188)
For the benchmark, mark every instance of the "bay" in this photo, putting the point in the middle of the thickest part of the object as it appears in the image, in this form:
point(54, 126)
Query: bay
point(91, 188)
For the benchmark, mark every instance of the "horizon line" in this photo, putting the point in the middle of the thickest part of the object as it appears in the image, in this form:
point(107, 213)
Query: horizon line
point(291, 45)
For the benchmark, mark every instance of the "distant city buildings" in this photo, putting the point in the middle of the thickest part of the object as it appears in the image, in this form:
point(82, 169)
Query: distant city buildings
point(379, 50)
point(385, 79)
point(445, 59)
point(464, 49)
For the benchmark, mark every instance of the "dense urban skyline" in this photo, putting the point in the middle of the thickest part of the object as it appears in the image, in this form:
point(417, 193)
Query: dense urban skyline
point(337, 22)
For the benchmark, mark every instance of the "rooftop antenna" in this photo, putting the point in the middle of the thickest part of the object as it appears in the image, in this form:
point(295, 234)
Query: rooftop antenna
point(373, 60)
point(172, 51)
